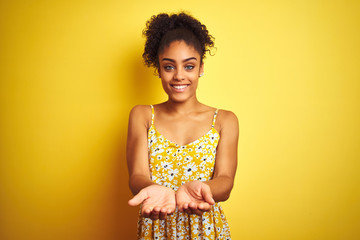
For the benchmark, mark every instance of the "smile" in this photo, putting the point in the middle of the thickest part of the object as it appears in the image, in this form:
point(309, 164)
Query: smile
point(179, 88)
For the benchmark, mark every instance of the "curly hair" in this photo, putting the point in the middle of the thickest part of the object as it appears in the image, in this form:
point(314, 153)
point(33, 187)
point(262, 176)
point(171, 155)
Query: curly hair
point(162, 29)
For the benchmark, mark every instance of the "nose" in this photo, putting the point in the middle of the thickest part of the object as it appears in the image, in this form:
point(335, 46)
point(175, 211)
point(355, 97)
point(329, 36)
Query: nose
point(179, 75)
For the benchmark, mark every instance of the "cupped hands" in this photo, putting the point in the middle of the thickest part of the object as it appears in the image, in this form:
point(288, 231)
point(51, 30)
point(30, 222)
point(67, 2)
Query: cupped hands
point(159, 201)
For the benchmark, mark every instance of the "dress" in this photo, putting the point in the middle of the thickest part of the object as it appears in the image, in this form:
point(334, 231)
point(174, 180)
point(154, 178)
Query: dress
point(172, 165)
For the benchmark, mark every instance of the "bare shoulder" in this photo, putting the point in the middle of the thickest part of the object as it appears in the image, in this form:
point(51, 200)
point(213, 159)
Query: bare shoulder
point(140, 110)
point(227, 120)
point(141, 113)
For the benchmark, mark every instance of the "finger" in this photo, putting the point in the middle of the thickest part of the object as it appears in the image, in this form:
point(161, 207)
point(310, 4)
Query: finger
point(170, 211)
point(155, 213)
point(204, 207)
point(181, 207)
point(146, 212)
point(187, 209)
point(138, 198)
point(163, 214)
point(207, 195)
point(193, 206)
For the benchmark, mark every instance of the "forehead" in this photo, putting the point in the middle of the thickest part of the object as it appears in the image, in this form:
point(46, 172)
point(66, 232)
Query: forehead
point(179, 50)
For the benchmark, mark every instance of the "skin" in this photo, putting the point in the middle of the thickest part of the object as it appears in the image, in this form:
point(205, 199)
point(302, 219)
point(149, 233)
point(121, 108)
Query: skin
point(181, 119)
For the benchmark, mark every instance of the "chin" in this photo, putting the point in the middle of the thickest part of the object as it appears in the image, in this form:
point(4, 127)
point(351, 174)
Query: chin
point(180, 99)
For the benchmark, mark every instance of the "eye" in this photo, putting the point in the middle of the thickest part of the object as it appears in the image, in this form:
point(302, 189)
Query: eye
point(168, 67)
point(189, 67)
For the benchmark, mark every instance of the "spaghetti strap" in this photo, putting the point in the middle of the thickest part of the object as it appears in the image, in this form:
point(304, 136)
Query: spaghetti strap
point(214, 119)
point(152, 114)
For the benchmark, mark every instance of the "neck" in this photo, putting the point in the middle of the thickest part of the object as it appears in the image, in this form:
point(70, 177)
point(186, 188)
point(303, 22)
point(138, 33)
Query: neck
point(182, 107)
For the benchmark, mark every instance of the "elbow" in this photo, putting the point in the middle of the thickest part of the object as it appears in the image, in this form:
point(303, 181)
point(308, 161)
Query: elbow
point(226, 195)
point(130, 185)
point(226, 192)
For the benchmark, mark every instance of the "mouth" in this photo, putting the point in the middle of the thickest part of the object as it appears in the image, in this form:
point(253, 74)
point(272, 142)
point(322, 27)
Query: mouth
point(179, 88)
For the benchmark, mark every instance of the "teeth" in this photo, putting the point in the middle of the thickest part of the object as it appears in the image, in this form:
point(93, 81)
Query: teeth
point(180, 86)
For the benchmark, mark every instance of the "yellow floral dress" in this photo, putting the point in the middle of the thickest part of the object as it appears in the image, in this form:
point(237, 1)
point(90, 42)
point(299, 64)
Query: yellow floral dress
point(172, 165)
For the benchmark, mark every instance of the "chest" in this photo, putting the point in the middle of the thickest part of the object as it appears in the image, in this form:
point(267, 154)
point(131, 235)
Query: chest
point(183, 130)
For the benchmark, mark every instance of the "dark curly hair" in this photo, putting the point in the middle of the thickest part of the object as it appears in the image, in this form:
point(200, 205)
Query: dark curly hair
point(162, 29)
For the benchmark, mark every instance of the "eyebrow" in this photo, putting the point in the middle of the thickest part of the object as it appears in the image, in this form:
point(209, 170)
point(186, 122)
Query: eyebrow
point(172, 60)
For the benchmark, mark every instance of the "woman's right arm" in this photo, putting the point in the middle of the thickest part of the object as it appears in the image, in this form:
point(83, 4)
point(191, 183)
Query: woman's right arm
point(157, 201)
point(136, 149)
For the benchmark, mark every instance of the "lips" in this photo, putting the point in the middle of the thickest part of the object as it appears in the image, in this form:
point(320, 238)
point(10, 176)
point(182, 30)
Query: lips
point(179, 87)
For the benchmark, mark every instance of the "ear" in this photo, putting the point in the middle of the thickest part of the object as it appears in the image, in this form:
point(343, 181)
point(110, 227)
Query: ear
point(201, 70)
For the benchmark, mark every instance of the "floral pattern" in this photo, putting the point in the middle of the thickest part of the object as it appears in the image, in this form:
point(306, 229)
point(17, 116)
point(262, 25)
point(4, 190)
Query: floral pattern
point(173, 165)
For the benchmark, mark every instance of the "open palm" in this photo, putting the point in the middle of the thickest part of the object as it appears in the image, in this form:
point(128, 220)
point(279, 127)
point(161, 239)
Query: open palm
point(157, 201)
point(194, 198)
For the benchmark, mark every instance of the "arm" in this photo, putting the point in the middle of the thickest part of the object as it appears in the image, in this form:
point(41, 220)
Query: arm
point(226, 158)
point(196, 197)
point(157, 201)
point(136, 149)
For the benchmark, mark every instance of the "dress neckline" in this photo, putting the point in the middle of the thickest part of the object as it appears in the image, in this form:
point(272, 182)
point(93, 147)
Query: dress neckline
point(184, 145)
point(192, 142)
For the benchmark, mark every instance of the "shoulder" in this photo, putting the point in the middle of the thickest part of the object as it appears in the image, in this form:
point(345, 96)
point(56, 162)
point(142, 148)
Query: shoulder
point(139, 110)
point(227, 115)
point(141, 113)
point(227, 120)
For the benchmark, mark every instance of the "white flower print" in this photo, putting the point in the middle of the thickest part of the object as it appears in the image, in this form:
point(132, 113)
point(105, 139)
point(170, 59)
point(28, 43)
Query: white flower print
point(188, 158)
point(206, 160)
point(208, 229)
point(154, 178)
point(189, 169)
point(195, 230)
point(159, 149)
point(172, 173)
point(166, 165)
point(212, 137)
point(200, 147)
point(200, 177)
point(152, 139)
point(203, 160)
point(205, 220)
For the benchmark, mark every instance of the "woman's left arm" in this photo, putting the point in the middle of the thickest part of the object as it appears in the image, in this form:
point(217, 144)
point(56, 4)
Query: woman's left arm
point(196, 197)
point(226, 157)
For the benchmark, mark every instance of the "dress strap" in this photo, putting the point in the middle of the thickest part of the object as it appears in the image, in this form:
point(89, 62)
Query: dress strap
point(152, 114)
point(214, 119)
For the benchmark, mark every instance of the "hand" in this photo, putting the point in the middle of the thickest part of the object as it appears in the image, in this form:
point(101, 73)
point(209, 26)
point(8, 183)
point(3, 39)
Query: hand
point(194, 198)
point(157, 201)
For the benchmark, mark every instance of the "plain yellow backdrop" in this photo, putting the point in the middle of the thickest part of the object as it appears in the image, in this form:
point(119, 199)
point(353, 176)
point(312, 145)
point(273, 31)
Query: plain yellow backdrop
point(71, 71)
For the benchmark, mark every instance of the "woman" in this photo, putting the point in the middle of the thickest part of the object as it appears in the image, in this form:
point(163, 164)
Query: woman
point(179, 170)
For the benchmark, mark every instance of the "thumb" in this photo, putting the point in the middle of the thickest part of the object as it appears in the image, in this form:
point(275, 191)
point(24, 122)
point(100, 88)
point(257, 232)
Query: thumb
point(207, 195)
point(138, 198)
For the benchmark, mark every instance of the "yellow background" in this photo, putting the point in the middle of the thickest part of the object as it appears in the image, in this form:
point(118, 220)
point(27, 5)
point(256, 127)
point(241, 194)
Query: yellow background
point(71, 71)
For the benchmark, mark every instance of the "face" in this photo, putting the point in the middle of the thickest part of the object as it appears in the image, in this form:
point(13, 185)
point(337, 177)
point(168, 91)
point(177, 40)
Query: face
point(179, 70)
